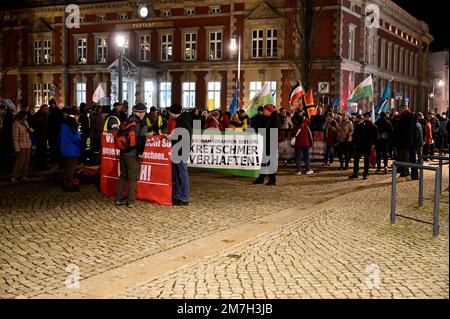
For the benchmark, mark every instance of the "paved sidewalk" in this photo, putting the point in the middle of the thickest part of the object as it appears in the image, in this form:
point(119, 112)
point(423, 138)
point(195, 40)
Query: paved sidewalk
point(43, 231)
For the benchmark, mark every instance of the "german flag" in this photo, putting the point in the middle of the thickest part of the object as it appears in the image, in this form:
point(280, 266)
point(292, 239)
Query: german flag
point(308, 104)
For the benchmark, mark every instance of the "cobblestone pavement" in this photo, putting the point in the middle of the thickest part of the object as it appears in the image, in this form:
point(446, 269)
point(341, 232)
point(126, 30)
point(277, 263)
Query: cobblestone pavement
point(43, 231)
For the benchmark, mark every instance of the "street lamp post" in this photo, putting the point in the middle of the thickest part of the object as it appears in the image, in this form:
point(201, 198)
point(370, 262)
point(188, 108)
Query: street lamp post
point(120, 40)
point(237, 46)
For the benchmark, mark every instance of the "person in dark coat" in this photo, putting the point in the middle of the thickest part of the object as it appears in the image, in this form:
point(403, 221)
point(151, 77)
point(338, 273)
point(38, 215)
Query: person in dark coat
point(83, 120)
point(39, 123)
point(256, 120)
point(55, 119)
point(318, 121)
point(271, 120)
point(405, 139)
point(180, 175)
point(385, 132)
point(364, 138)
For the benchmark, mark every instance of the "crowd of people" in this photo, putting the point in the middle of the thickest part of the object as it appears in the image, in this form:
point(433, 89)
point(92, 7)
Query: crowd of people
point(62, 135)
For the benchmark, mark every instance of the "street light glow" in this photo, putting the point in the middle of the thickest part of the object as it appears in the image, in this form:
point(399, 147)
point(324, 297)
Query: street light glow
point(120, 41)
point(441, 83)
point(233, 44)
point(143, 11)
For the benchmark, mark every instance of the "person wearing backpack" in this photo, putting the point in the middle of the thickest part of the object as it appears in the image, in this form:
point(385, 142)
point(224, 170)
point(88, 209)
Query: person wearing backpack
point(130, 140)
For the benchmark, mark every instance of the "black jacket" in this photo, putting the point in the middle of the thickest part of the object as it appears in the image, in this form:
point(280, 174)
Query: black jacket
point(418, 136)
point(405, 131)
point(385, 130)
point(39, 123)
point(365, 136)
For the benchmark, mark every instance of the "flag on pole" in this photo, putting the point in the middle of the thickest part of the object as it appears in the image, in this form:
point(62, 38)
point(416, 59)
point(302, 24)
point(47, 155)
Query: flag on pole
point(233, 105)
point(296, 93)
point(263, 97)
point(98, 94)
point(383, 104)
point(364, 89)
point(336, 102)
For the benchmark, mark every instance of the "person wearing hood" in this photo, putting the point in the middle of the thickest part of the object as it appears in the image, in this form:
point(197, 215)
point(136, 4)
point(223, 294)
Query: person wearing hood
point(270, 120)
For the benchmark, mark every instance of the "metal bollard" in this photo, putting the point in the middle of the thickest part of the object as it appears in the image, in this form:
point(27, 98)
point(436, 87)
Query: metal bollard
point(437, 195)
point(394, 193)
point(421, 181)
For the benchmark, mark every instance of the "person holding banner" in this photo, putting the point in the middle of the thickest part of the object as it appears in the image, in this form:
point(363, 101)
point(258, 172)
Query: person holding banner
point(181, 146)
point(130, 139)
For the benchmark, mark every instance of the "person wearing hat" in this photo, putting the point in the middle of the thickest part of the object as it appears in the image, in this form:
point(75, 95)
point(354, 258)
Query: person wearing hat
point(270, 120)
point(129, 158)
point(364, 138)
point(71, 148)
point(115, 118)
point(180, 154)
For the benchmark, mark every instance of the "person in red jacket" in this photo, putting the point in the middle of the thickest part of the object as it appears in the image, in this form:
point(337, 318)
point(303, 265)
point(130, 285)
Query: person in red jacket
point(428, 145)
point(303, 144)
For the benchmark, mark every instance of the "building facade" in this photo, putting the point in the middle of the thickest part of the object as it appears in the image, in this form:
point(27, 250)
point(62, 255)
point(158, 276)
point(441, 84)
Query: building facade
point(438, 97)
point(180, 53)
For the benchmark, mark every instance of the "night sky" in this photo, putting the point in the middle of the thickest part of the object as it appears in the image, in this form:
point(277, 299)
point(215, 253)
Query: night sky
point(435, 14)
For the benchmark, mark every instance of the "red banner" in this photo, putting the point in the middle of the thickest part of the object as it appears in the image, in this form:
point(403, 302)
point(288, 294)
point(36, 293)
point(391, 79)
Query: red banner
point(155, 179)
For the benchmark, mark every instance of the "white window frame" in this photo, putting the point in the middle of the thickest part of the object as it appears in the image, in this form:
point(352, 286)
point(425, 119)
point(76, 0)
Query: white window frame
point(80, 92)
point(46, 92)
point(37, 94)
point(145, 47)
point(46, 51)
point(149, 91)
point(351, 41)
point(166, 40)
point(214, 92)
point(37, 51)
point(254, 87)
point(81, 50)
point(190, 46)
point(188, 89)
point(101, 46)
point(272, 43)
point(257, 43)
point(215, 53)
point(165, 94)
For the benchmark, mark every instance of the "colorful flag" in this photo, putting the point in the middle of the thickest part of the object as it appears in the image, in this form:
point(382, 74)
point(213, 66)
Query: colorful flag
point(98, 94)
point(336, 102)
point(364, 89)
point(233, 105)
point(383, 104)
point(263, 97)
point(296, 93)
point(309, 106)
